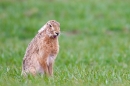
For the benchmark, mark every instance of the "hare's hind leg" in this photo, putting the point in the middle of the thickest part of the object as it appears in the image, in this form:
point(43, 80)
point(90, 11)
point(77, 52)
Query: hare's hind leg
point(32, 70)
point(23, 73)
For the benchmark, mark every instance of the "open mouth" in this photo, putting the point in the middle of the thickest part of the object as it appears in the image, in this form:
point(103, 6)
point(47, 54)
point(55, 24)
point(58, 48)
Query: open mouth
point(54, 36)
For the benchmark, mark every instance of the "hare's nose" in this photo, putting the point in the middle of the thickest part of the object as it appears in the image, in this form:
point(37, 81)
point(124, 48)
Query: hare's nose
point(57, 34)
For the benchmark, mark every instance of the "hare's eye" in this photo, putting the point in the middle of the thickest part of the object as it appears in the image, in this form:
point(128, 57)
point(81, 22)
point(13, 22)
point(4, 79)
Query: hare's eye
point(50, 25)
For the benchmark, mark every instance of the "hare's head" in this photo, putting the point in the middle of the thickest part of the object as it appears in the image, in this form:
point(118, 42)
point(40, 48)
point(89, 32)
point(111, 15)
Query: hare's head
point(51, 28)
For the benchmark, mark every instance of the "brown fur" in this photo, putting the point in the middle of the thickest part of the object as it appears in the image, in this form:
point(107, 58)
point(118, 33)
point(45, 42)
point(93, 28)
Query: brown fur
point(42, 50)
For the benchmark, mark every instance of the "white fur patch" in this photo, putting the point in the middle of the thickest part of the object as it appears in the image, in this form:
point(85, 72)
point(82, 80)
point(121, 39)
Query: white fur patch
point(42, 28)
point(50, 59)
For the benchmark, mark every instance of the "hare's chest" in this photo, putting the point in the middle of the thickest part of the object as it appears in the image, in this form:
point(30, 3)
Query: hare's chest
point(54, 49)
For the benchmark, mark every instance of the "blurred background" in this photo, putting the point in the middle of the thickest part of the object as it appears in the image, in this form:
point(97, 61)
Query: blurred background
point(95, 34)
point(22, 19)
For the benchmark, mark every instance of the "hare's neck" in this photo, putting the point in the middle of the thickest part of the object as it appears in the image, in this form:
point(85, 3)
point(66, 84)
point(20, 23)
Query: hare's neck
point(49, 39)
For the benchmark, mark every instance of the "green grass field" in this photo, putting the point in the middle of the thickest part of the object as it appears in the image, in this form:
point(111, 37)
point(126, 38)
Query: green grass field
point(94, 41)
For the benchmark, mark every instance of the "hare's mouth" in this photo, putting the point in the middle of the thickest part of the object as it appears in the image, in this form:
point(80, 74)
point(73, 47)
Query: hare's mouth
point(56, 35)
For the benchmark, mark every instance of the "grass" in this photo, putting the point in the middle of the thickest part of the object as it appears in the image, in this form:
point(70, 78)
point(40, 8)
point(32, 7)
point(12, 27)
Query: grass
point(94, 41)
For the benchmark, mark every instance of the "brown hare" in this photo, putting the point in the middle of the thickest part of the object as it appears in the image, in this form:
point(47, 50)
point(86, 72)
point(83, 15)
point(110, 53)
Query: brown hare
point(42, 50)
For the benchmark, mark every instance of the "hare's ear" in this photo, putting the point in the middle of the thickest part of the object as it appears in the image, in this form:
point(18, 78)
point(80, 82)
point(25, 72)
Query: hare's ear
point(42, 29)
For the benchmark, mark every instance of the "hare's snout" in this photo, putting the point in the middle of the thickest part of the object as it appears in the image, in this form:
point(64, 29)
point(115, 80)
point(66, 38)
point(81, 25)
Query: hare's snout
point(57, 33)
